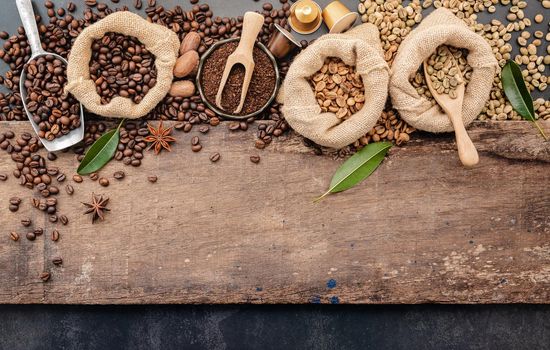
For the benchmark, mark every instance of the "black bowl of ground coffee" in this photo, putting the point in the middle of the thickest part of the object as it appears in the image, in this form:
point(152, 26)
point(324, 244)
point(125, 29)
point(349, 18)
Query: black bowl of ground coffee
point(263, 86)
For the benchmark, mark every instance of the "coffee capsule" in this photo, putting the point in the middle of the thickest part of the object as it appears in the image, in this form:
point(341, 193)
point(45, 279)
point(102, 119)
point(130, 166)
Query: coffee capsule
point(305, 16)
point(338, 17)
point(282, 42)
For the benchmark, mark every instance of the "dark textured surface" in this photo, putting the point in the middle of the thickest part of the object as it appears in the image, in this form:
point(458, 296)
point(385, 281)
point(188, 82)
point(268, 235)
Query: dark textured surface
point(275, 327)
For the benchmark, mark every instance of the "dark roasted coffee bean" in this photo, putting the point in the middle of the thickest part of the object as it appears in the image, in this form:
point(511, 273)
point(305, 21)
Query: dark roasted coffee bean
point(152, 178)
point(196, 148)
point(255, 159)
point(38, 231)
point(119, 175)
point(53, 218)
point(94, 176)
point(64, 220)
point(26, 222)
point(195, 140)
point(52, 156)
point(55, 235)
point(215, 157)
point(104, 182)
point(14, 236)
point(77, 178)
point(13, 208)
point(90, 3)
point(3, 177)
point(69, 189)
point(15, 201)
point(45, 276)
point(61, 177)
point(31, 236)
point(57, 261)
point(204, 129)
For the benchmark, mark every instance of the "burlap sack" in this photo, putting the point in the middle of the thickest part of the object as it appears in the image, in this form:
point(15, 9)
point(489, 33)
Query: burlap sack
point(359, 47)
point(440, 27)
point(159, 40)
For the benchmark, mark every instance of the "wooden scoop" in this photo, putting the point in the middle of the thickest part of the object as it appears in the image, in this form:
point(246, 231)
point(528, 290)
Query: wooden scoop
point(252, 24)
point(453, 107)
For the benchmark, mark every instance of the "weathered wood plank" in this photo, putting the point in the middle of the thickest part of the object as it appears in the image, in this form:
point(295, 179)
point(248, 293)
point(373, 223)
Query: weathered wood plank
point(421, 229)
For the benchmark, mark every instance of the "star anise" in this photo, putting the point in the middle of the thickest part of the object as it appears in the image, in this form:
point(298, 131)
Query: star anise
point(159, 138)
point(97, 207)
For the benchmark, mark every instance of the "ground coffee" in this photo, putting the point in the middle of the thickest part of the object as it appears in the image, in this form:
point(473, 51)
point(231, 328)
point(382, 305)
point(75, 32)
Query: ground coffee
point(261, 86)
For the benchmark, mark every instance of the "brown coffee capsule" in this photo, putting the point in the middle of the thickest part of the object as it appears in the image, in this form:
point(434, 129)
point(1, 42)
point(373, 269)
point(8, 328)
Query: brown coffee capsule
point(282, 42)
point(338, 17)
point(305, 16)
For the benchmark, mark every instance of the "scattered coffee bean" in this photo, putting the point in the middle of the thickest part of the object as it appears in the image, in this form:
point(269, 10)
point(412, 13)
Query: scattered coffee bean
point(215, 157)
point(94, 176)
point(14, 236)
point(45, 276)
point(69, 189)
point(55, 235)
point(26, 222)
point(204, 129)
point(119, 175)
point(61, 177)
point(77, 178)
point(57, 261)
point(38, 231)
point(255, 159)
point(3, 177)
point(104, 182)
point(64, 219)
point(152, 178)
point(31, 236)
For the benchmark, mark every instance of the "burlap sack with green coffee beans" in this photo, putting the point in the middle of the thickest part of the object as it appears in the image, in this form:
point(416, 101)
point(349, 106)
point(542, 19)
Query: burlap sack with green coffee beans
point(439, 28)
point(359, 47)
point(160, 41)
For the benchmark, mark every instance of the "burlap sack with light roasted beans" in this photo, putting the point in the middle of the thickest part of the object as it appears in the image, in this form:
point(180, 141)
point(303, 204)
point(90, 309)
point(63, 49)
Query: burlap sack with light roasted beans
point(360, 47)
point(440, 27)
point(159, 40)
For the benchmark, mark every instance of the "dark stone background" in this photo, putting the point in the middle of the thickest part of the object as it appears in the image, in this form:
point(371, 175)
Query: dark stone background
point(269, 327)
point(275, 327)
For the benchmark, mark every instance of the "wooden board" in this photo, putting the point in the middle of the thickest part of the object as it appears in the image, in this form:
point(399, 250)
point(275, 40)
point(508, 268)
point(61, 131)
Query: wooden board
point(421, 229)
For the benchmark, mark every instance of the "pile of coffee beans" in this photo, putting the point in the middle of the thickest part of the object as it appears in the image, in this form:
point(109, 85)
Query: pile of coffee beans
point(122, 66)
point(55, 112)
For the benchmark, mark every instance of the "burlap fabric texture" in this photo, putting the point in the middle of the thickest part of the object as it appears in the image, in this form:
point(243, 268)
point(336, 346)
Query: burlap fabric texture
point(440, 27)
point(159, 40)
point(360, 47)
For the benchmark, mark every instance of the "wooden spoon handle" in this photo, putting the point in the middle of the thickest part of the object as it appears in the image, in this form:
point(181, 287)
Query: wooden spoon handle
point(467, 151)
point(252, 24)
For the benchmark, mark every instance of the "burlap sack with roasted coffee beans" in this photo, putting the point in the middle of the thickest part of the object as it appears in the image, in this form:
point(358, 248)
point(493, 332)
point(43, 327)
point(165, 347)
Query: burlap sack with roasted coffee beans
point(439, 28)
point(360, 47)
point(159, 40)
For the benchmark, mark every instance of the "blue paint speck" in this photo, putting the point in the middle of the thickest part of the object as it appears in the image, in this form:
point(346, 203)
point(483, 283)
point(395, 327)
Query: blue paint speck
point(315, 299)
point(259, 289)
point(331, 283)
point(334, 300)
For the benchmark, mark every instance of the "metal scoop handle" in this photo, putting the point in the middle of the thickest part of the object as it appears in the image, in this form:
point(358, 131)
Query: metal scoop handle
point(28, 19)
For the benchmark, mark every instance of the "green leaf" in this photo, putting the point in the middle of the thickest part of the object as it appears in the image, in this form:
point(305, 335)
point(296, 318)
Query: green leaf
point(517, 93)
point(358, 167)
point(101, 152)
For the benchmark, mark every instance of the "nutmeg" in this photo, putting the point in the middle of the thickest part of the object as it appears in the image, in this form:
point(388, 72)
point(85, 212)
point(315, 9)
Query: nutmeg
point(186, 64)
point(184, 88)
point(190, 42)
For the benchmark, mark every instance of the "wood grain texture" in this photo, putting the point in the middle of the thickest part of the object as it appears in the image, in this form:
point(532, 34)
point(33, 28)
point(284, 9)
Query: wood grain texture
point(421, 229)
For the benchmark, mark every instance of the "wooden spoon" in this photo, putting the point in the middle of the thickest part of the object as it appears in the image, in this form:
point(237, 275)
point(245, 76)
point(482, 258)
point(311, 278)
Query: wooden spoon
point(453, 108)
point(252, 24)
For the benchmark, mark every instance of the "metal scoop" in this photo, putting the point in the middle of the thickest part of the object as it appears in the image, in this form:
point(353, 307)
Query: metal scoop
point(26, 13)
point(252, 24)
